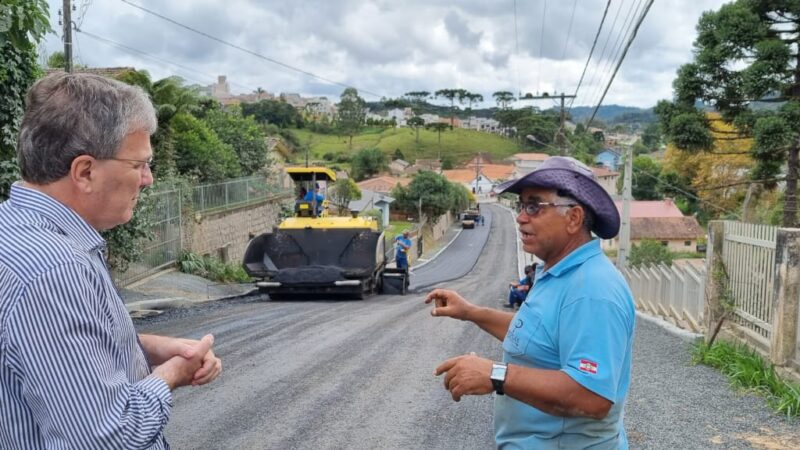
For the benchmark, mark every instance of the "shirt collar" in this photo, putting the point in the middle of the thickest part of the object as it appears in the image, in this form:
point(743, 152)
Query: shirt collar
point(576, 258)
point(63, 217)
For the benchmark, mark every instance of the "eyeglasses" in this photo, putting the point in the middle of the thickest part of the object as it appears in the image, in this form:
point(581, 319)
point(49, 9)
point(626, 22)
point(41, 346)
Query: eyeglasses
point(533, 209)
point(142, 163)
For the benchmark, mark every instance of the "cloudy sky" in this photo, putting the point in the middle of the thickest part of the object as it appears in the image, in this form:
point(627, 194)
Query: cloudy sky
point(389, 47)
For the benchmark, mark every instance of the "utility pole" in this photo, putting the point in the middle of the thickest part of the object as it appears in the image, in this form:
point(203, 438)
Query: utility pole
point(625, 229)
point(67, 15)
point(559, 137)
point(477, 176)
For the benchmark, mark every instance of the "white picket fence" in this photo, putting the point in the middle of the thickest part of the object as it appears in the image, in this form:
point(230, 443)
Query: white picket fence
point(748, 251)
point(674, 292)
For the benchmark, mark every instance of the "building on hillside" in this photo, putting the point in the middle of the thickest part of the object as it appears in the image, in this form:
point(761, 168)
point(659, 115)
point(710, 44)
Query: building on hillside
point(480, 158)
point(317, 108)
point(383, 184)
point(430, 165)
point(662, 221)
point(398, 167)
point(373, 200)
point(482, 179)
point(620, 139)
point(482, 124)
point(400, 116)
point(430, 118)
point(607, 179)
point(221, 90)
point(455, 122)
point(524, 163)
point(609, 158)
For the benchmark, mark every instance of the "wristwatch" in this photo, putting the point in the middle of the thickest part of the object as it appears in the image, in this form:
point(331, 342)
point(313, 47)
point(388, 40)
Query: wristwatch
point(498, 376)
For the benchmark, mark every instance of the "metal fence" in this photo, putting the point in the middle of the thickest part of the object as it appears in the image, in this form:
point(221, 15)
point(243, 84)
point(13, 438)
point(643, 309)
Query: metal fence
point(676, 291)
point(238, 192)
point(164, 248)
point(748, 252)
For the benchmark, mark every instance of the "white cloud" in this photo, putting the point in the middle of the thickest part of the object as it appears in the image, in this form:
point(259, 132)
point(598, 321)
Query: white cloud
point(389, 47)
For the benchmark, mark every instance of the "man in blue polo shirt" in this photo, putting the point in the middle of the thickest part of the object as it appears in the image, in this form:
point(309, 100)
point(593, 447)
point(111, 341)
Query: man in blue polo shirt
point(567, 352)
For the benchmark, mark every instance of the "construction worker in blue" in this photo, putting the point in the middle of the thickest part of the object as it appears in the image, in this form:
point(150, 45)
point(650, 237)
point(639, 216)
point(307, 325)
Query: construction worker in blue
point(314, 195)
point(402, 246)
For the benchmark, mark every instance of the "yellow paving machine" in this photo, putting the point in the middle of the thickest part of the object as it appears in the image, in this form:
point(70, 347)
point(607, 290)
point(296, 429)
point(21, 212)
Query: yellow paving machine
point(315, 253)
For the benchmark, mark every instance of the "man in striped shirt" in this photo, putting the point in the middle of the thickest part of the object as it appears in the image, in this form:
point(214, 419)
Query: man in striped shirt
point(73, 371)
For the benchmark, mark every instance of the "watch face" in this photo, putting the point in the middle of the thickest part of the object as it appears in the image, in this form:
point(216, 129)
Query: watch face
point(498, 372)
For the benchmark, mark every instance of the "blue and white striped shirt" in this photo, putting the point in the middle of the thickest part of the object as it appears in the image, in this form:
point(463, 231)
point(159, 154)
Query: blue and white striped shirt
point(72, 372)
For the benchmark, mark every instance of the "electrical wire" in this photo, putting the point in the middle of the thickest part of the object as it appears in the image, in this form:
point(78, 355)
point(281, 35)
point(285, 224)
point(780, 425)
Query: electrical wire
point(591, 52)
point(250, 52)
point(541, 47)
point(602, 57)
point(566, 42)
point(617, 47)
point(516, 60)
point(154, 58)
point(659, 180)
point(622, 58)
point(82, 12)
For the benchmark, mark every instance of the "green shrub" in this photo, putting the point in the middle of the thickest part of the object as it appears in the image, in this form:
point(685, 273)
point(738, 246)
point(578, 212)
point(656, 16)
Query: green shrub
point(212, 268)
point(649, 252)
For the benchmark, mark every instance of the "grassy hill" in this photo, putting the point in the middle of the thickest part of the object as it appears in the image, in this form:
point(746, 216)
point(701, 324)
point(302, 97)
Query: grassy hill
point(458, 143)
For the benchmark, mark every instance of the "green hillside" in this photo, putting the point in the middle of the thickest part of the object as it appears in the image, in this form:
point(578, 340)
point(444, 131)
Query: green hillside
point(458, 143)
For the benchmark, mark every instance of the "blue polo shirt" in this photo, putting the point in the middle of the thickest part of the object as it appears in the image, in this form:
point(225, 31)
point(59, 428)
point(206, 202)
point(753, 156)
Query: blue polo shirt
point(578, 318)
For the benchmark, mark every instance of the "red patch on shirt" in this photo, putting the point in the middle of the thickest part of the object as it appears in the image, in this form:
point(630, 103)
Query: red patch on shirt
point(588, 366)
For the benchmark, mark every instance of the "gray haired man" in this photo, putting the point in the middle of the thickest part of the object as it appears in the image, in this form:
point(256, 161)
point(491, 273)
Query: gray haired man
point(73, 371)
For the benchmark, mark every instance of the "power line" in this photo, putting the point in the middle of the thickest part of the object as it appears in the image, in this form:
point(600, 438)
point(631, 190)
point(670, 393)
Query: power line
point(155, 58)
point(591, 52)
point(617, 46)
point(659, 180)
point(566, 41)
point(602, 57)
point(541, 46)
point(516, 40)
point(622, 58)
point(251, 52)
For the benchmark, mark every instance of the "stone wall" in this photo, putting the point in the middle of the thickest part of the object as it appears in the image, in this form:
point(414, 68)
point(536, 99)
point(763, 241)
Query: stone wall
point(225, 234)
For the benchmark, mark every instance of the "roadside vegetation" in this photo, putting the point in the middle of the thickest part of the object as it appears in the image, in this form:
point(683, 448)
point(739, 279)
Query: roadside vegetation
point(747, 371)
point(212, 269)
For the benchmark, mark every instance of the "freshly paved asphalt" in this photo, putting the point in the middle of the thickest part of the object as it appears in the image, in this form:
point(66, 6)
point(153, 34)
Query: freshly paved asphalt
point(457, 259)
point(358, 374)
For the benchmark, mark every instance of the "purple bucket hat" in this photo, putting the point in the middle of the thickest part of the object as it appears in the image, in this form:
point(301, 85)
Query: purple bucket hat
point(572, 176)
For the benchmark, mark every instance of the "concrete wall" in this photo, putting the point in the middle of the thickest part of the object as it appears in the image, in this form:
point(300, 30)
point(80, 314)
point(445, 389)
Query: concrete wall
point(225, 234)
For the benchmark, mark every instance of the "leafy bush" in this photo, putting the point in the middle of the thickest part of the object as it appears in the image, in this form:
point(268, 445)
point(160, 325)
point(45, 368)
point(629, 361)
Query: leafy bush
point(243, 134)
point(212, 269)
point(650, 252)
point(9, 173)
point(124, 241)
point(200, 152)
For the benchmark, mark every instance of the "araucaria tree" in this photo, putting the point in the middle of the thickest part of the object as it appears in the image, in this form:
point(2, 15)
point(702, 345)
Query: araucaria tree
point(352, 112)
point(746, 56)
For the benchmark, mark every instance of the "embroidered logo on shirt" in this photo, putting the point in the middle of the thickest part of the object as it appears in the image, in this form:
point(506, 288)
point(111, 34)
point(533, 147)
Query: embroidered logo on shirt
point(588, 366)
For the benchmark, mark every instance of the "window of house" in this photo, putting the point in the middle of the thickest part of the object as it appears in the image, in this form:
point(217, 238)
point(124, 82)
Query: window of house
point(664, 243)
point(687, 243)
